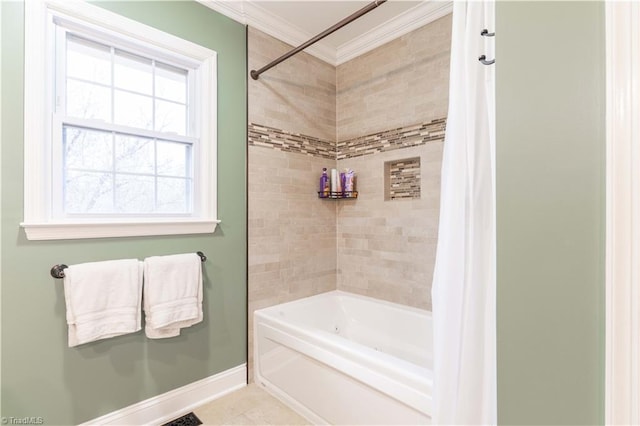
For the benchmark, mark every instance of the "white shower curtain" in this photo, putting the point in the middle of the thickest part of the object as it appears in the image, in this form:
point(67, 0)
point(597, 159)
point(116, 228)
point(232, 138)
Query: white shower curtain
point(463, 292)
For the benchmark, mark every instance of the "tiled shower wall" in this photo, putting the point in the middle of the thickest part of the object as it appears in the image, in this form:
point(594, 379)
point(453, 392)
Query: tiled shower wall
point(385, 103)
point(292, 236)
point(298, 95)
point(402, 83)
point(386, 248)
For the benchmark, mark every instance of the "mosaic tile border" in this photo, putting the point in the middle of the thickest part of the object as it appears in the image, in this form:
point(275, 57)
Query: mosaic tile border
point(389, 140)
point(269, 137)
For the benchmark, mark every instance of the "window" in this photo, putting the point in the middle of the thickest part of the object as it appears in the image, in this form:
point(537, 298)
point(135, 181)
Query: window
point(125, 127)
point(124, 141)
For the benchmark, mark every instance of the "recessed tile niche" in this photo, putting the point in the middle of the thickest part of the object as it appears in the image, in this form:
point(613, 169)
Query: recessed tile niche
point(402, 179)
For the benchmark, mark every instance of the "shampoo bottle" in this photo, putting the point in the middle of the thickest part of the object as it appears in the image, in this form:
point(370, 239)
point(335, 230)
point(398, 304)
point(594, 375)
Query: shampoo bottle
point(324, 184)
point(350, 183)
point(336, 186)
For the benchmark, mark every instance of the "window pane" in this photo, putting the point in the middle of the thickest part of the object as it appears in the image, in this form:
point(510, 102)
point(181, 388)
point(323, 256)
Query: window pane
point(88, 60)
point(173, 195)
point(87, 149)
point(171, 117)
point(134, 194)
point(128, 171)
point(135, 154)
point(86, 100)
point(174, 159)
point(132, 72)
point(88, 192)
point(133, 110)
point(171, 83)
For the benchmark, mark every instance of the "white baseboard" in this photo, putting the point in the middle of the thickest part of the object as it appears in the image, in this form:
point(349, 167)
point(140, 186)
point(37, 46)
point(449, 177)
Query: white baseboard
point(175, 403)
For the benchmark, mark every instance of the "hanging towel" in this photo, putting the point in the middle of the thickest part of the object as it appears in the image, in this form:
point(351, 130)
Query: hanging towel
point(172, 294)
point(103, 299)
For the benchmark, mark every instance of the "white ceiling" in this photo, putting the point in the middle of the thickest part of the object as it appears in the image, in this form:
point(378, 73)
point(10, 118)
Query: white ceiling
point(296, 21)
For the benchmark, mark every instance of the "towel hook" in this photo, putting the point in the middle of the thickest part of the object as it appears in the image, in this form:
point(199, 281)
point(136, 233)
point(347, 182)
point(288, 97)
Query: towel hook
point(484, 60)
point(202, 256)
point(485, 33)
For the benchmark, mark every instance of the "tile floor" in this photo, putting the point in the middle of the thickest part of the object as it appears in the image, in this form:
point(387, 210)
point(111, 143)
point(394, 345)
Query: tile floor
point(248, 406)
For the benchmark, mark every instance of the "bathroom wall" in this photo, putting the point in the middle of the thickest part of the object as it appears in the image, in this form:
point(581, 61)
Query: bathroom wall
point(41, 376)
point(292, 234)
point(550, 164)
point(391, 106)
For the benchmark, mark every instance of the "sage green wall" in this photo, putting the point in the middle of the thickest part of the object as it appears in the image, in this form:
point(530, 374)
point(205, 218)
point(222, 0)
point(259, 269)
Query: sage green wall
point(41, 376)
point(550, 100)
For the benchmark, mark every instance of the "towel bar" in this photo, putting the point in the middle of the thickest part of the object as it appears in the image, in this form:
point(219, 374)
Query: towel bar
point(57, 271)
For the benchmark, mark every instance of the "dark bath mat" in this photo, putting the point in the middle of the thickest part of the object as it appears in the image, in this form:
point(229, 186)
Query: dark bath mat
point(189, 419)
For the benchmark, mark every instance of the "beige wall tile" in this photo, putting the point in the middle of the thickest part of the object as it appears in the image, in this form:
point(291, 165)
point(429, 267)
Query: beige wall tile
point(298, 95)
point(292, 233)
point(401, 83)
point(386, 249)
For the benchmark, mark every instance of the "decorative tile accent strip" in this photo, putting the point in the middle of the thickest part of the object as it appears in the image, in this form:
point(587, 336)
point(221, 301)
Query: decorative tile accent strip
point(392, 139)
point(282, 140)
point(403, 178)
point(404, 137)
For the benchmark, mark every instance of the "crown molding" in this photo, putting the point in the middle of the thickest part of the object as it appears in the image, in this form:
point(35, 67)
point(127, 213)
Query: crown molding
point(249, 12)
point(398, 26)
point(265, 21)
point(231, 9)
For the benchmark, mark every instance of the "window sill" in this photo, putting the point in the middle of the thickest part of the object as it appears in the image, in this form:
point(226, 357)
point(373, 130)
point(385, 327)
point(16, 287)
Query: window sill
point(79, 230)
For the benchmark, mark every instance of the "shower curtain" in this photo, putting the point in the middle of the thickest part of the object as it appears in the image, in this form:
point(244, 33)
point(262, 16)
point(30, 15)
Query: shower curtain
point(463, 291)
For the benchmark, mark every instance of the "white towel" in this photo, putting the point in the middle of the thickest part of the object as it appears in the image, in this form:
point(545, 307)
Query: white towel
point(103, 299)
point(172, 294)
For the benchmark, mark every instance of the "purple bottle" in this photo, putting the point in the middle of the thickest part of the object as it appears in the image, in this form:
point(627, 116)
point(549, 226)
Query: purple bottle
point(324, 184)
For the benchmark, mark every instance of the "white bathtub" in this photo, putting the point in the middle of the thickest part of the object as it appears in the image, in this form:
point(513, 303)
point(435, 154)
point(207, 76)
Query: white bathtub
point(340, 358)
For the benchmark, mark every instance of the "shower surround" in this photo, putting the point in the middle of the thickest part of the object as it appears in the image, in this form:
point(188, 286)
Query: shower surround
point(387, 105)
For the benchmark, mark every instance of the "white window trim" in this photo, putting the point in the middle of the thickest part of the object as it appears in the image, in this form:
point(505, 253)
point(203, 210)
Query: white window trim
point(622, 358)
point(38, 223)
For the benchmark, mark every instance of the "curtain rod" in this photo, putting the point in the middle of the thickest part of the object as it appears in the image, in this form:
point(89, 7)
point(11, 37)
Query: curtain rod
point(255, 74)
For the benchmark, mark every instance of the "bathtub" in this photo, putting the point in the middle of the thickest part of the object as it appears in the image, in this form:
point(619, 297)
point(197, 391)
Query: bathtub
point(341, 358)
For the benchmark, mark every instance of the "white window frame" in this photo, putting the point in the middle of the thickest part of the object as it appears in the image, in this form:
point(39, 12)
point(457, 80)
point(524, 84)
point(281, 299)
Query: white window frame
point(39, 222)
